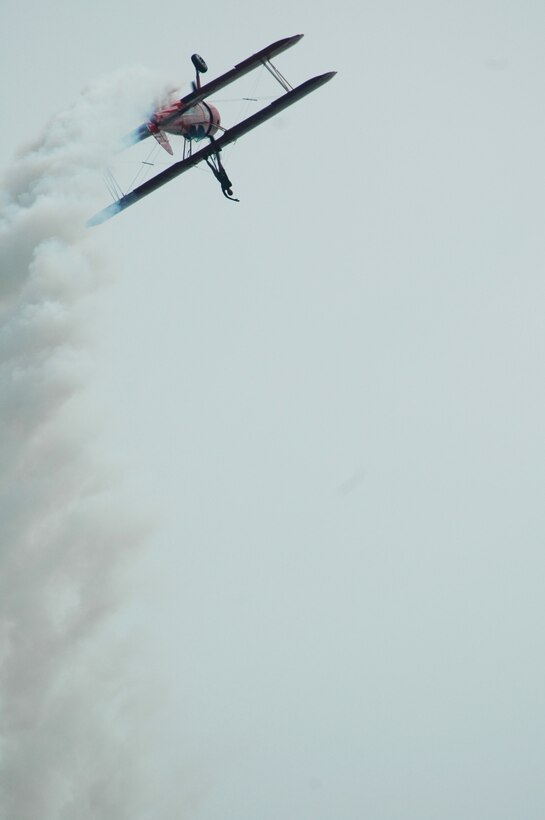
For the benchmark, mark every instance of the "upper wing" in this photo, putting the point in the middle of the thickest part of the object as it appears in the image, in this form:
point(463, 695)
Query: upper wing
point(143, 131)
point(229, 136)
point(240, 70)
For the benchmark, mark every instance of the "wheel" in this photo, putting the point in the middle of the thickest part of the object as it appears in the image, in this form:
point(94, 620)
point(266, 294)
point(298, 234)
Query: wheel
point(199, 63)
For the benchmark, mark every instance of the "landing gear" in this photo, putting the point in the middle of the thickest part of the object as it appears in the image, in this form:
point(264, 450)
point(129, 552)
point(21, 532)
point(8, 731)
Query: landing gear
point(200, 68)
point(198, 62)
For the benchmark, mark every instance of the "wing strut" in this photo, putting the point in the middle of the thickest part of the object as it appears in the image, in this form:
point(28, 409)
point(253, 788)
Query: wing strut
point(277, 75)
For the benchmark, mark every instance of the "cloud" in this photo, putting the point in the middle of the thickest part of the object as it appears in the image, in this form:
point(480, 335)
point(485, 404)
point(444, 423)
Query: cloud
point(65, 537)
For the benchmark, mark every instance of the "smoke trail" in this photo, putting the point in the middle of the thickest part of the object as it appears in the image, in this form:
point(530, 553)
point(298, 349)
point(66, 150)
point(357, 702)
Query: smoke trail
point(64, 538)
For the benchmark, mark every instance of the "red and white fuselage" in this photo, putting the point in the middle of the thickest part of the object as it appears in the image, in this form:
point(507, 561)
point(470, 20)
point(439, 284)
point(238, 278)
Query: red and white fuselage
point(195, 123)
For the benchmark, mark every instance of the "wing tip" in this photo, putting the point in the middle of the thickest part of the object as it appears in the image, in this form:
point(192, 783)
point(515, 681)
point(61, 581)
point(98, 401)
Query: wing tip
point(104, 215)
point(287, 42)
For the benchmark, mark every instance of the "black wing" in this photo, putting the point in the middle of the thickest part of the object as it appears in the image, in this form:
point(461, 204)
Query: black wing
point(240, 70)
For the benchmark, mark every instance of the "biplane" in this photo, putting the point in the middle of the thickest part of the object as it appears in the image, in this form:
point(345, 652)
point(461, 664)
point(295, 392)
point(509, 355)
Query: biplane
point(195, 118)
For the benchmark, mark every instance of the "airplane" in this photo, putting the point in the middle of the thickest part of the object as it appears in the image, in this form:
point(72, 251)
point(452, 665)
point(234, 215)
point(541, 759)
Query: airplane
point(195, 119)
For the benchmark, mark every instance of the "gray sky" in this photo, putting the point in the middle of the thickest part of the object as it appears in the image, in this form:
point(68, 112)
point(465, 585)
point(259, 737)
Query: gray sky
point(326, 405)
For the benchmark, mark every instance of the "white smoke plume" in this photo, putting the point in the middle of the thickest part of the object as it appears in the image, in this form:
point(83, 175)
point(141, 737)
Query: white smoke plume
point(65, 538)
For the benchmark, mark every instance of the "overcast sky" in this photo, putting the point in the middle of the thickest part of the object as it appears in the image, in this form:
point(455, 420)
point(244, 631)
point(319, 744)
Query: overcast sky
point(324, 409)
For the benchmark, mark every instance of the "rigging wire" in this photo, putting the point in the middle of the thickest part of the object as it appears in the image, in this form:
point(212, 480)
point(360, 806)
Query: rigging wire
point(114, 189)
point(241, 99)
point(247, 101)
point(143, 170)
